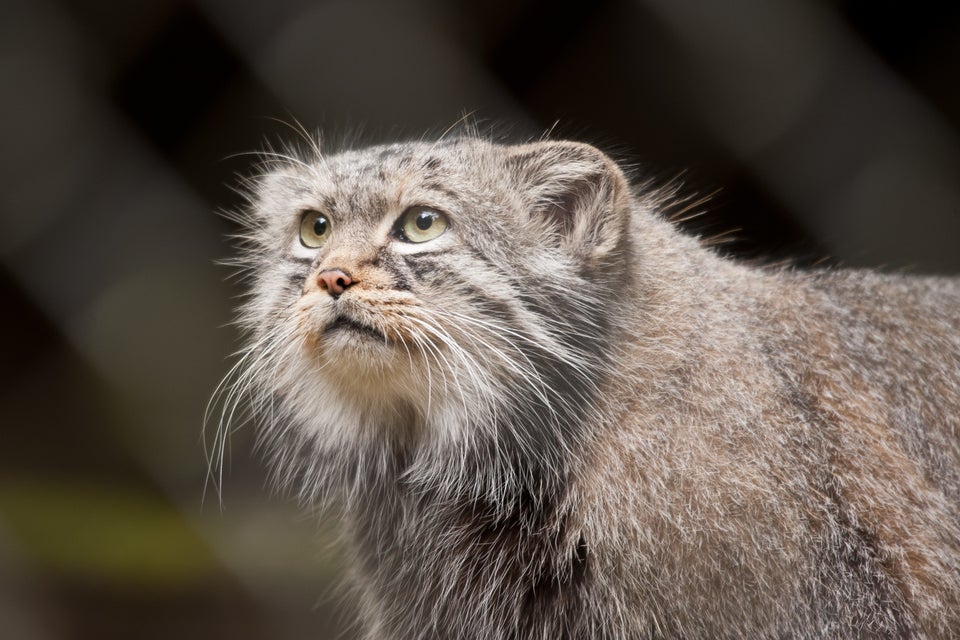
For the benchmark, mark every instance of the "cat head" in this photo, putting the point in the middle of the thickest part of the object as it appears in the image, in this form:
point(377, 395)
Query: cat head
point(441, 296)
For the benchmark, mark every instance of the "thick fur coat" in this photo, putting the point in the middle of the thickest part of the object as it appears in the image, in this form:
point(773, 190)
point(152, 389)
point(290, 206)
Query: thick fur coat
point(561, 417)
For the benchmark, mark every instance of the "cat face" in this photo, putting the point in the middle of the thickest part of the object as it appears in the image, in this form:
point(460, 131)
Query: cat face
point(435, 290)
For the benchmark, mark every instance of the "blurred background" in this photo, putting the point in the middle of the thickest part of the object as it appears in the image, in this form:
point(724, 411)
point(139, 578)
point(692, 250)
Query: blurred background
point(825, 132)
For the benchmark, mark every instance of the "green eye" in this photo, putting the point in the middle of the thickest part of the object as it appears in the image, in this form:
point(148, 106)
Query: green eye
point(420, 224)
point(314, 229)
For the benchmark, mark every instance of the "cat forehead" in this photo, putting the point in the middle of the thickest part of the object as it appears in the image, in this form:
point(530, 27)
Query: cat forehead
point(375, 179)
point(408, 158)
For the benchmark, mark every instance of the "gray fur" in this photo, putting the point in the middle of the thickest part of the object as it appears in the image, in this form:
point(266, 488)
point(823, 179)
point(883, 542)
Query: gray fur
point(581, 423)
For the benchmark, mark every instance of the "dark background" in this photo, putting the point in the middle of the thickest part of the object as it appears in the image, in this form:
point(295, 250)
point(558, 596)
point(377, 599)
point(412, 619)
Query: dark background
point(827, 132)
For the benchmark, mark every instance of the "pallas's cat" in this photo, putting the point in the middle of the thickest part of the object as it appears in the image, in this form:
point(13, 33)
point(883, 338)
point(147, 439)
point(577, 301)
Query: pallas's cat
point(540, 411)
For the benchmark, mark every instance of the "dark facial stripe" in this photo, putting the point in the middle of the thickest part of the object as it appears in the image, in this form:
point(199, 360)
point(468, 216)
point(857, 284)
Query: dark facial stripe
point(391, 264)
point(422, 269)
point(297, 280)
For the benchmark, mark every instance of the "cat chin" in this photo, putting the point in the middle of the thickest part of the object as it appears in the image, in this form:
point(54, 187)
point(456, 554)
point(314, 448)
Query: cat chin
point(356, 348)
point(363, 372)
point(376, 398)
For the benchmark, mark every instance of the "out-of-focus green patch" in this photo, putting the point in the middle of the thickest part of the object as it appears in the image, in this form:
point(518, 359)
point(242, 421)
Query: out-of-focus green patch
point(103, 533)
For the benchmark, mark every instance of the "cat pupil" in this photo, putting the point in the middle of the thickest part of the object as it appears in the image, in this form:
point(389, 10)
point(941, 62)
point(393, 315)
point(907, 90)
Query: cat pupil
point(424, 220)
point(320, 226)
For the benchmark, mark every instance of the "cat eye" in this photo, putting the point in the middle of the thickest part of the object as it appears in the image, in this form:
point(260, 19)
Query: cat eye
point(314, 229)
point(419, 224)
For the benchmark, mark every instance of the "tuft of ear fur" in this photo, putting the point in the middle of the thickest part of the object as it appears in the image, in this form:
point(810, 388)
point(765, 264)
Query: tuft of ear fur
point(577, 191)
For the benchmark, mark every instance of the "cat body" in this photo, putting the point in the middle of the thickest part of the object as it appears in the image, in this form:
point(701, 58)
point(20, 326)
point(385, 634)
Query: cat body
point(541, 411)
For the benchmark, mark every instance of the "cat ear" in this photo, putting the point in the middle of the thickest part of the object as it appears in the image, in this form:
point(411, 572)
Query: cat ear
point(576, 191)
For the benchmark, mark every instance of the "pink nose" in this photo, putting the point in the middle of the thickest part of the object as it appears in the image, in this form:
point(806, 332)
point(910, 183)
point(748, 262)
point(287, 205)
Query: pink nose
point(335, 281)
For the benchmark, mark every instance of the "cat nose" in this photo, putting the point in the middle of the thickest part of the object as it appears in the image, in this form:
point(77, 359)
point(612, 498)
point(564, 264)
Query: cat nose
point(334, 281)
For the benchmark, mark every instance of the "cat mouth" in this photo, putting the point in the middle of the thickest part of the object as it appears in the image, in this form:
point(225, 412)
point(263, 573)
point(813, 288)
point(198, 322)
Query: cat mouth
point(343, 324)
